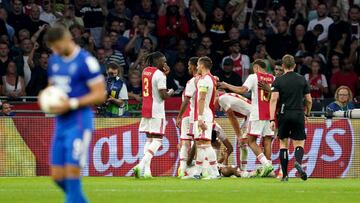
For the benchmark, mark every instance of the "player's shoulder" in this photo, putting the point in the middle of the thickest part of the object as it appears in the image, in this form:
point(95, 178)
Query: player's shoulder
point(191, 82)
point(54, 58)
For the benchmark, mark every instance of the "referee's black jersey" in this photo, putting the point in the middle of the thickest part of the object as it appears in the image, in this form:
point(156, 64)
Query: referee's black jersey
point(291, 87)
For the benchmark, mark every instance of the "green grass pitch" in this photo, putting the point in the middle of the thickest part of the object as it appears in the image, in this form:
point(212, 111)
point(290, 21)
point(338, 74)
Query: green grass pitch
point(172, 190)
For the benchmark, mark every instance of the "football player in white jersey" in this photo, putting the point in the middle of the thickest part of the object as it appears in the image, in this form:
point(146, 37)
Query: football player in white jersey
point(259, 125)
point(154, 92)
point(235, 106)
point(185, 118)
point(204, 118)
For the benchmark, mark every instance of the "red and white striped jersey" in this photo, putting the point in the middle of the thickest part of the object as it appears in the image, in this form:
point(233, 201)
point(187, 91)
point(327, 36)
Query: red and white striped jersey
point(237, 103)
point(153, 105)
point(206, 83)
point(259, 98)
point(189, 91)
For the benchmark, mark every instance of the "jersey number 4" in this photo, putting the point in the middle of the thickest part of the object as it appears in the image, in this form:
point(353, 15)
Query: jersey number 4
point(146, 87)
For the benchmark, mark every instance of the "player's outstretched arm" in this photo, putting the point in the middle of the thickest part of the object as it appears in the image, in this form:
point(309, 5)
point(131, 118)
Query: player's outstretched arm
point(236, 89)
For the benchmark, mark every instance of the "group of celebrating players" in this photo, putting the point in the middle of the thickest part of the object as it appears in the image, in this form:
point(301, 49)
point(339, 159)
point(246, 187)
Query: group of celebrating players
point(77, 73)
point(200, 133)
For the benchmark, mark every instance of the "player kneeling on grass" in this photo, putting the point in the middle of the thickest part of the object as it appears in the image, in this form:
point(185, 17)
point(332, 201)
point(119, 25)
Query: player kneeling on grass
point(185, 119)
point(77, 73)
point(154, 92)
point(204, 118)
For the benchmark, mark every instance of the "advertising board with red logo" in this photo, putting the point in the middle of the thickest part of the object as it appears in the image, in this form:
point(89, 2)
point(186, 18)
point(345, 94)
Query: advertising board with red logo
point(332, 148)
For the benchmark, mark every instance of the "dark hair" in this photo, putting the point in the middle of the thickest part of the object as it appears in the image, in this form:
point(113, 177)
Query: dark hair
point(322, 3)
point(76, 26)
point(206, 61)
point(260, 63)
point(113, 65)
point(319, 28)
point(4, 42)
point(12, 61)
point(354, 7)
point(116, 66)
point(152, 58)
point(145, 38)
point(55, 33)
point(193, 60)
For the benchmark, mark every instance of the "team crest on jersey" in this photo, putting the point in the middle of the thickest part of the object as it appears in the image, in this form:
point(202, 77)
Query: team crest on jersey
point(72, 68)
point(55, 67)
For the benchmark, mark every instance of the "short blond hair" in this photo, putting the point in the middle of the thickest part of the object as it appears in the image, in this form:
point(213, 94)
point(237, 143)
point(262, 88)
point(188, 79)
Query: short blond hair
point(288, 61)
point(343, 87)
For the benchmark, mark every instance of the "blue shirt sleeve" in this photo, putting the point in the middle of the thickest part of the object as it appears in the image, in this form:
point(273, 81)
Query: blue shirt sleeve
point(332, 107)
point(351, 106)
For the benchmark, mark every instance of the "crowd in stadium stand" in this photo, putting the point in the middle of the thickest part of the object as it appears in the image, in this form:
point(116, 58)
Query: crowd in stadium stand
point(323, 35)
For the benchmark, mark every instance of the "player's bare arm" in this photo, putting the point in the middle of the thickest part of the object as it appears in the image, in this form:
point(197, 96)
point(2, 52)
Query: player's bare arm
point(236, 89)
point(202, 125)
point(308, 104)
point(228, 145)
point(183, 107)
point(273, 103)
point(234, 123)
point(94, 97)
point(164, 94)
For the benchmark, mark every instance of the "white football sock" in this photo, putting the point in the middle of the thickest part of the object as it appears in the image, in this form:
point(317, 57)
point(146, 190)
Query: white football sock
point(153, 148)
point(243, 157)
point(211, 155)
point(147, 144)
point(200, 158)
point(262, 159)
point(184, 152)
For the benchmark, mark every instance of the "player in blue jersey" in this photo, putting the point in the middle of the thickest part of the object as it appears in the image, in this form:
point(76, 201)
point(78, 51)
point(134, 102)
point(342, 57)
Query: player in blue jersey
point(76, 72)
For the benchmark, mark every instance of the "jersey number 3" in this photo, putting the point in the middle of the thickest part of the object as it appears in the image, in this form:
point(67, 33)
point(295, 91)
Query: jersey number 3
point(146, 87)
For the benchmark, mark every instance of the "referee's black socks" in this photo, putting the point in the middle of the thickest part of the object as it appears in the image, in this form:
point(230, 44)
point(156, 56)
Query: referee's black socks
point(299, 153)
point(284, 161)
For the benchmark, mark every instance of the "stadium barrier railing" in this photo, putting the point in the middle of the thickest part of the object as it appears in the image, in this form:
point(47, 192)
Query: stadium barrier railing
point(332, 148)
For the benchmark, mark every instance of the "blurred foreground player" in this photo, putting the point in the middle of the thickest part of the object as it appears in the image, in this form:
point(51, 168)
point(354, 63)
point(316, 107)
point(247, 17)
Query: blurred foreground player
point(154, 92)
point(185, 119)
point(290, 89)
point(75, 71)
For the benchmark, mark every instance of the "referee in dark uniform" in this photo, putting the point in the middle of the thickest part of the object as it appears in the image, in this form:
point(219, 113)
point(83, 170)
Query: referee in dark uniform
point(288, 93)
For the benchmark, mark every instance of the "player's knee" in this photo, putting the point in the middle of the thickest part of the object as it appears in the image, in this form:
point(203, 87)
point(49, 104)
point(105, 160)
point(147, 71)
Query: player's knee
point(72, 171)
point(57, 174)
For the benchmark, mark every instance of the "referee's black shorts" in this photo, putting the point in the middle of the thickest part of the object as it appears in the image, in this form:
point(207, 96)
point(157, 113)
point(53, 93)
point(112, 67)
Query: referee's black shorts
point(292, 125)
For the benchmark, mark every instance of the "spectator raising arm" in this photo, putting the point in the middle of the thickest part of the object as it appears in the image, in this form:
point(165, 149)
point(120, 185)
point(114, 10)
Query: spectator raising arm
point(31, 59)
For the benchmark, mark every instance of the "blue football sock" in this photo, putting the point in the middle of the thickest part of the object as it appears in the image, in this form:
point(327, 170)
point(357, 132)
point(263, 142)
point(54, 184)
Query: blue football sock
point(74, 192)
point(61, 184)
